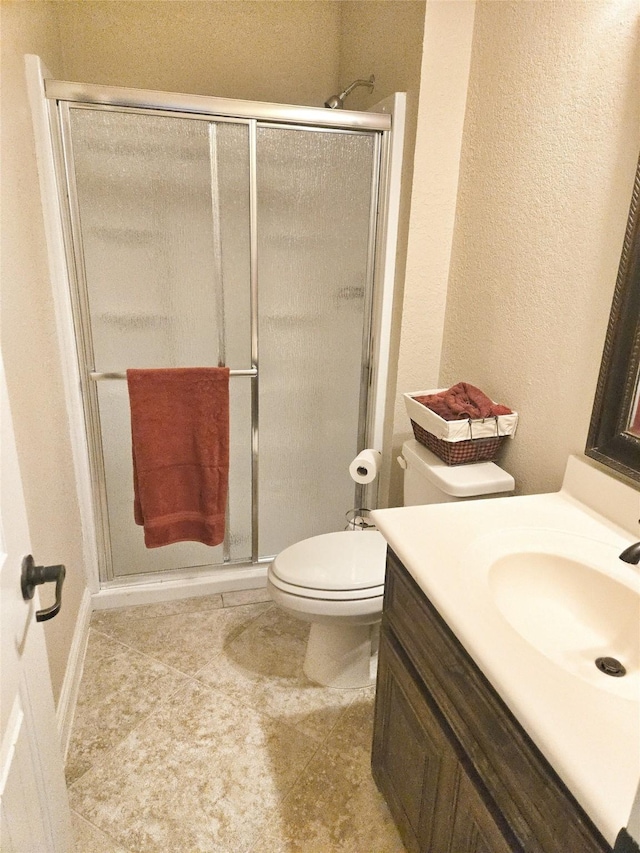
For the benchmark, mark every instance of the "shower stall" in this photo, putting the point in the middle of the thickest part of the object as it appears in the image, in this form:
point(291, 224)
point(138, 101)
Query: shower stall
point(203, 231)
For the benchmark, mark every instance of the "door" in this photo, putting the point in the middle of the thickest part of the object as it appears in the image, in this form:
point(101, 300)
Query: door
point(316, 217)
point(161, 213)
point(34, 810)
point(200, 240)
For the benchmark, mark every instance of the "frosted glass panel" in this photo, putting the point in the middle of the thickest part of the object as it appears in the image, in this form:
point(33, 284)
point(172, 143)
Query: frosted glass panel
point(164, 214)
point(240, 515)
point(164, 209)
point(314, 199)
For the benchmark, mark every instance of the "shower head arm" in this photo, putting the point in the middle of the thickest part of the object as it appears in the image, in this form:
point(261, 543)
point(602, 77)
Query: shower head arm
point(369, 83)
point(337, 101)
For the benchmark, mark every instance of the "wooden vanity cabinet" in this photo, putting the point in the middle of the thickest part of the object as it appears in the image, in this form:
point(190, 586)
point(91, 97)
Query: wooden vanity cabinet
point(457, 770)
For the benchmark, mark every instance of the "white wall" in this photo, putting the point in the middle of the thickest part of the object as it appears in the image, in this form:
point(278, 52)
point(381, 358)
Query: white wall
point(448, 34)
point(551, 141)
point(385, 39)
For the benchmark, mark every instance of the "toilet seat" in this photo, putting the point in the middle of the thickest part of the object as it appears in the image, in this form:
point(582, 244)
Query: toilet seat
point(326, 594)
point(347, 565)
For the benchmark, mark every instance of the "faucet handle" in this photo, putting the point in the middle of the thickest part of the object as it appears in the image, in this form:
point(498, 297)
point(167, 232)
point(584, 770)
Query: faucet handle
point(631, 554)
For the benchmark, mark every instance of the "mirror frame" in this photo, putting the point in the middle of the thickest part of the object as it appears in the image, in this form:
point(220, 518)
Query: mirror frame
point(608, 440)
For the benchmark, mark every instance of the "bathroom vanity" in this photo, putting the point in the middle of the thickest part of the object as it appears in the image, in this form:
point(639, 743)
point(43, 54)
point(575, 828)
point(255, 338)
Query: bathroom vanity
point(495, 732)
point(457, 770)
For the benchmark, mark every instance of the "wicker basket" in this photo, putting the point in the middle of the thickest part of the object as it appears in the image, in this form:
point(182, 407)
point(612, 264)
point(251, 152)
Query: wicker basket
point(461, 441)
point(460, 452)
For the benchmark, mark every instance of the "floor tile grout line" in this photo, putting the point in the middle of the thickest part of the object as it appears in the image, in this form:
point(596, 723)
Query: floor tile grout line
point(252, 844)
point(141, 618)
point(144, 655)
point(322, 746)
point(172, 669)
point(107, 637)
point(234, 635)
point(270, 720)
point(267, 600)
point(163, 701)
point(78, 814)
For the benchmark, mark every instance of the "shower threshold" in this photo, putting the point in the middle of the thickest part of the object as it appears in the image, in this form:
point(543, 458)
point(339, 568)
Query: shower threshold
point(164, 587)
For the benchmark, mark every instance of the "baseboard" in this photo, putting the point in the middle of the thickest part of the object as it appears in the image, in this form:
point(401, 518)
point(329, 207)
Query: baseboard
point(73, 673)
point(154, 592)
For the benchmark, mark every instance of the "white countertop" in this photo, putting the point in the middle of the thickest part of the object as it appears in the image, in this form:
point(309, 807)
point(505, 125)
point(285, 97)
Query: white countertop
point(590, 734)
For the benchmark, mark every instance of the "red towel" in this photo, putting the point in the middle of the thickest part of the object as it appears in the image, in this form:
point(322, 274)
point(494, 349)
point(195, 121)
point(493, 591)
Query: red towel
point(180, 442)
point(462, 401)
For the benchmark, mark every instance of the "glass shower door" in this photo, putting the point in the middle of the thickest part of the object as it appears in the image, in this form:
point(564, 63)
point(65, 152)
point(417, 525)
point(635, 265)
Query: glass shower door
point(316, 215)
point(163, 208)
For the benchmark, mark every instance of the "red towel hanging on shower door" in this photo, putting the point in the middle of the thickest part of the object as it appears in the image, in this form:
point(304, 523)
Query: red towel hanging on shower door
point(180, 444)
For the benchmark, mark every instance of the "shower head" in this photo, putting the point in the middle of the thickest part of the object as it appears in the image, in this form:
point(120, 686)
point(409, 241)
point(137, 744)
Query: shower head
point(336, 102)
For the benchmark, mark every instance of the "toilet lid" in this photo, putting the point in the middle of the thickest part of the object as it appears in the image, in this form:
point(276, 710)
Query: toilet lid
point(348, 560)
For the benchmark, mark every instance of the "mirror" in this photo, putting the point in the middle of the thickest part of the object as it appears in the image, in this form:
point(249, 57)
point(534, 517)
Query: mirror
point(614, 432)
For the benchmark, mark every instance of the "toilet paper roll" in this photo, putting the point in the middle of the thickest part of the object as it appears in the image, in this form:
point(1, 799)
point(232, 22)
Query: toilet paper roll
point(364, 468)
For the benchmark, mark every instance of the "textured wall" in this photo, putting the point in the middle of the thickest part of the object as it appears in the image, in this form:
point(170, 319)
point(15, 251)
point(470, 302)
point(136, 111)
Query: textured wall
point(269, 51)
point(385, 39)
point(448, 33)
point(550, 145)
point(29, 343)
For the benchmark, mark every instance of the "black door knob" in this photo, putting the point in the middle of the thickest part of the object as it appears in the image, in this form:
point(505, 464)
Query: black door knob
point(32, 576)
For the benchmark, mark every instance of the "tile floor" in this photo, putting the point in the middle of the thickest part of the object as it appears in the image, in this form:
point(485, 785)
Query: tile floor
point(196, 732)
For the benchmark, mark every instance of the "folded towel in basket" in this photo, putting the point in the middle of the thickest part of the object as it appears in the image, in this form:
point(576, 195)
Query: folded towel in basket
point(180, 442)
point(462, 401)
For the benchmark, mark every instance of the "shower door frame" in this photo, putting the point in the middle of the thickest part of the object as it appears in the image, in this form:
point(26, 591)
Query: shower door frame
point(61, 96)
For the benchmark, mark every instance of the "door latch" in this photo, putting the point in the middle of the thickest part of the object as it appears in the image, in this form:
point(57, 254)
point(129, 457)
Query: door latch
point(32, 576)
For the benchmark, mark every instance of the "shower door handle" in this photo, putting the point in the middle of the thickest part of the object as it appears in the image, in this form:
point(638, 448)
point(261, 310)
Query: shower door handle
point(33, 575)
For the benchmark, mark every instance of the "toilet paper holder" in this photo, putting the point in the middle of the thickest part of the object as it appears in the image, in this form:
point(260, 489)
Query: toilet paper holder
point(359, 519)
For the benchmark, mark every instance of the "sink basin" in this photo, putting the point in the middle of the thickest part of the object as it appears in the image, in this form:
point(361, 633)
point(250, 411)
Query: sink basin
point(572, 612)
point(572, 600)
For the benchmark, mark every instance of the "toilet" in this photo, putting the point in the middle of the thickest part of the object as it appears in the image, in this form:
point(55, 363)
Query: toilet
point(429, 480)
point(335, 581)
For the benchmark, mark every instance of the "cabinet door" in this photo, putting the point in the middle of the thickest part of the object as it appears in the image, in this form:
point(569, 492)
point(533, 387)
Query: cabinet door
point(413, 763)
point(474, 829)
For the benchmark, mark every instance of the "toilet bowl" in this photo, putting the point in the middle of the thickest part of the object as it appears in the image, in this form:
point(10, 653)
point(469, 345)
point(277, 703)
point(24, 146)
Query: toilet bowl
point(335, 581)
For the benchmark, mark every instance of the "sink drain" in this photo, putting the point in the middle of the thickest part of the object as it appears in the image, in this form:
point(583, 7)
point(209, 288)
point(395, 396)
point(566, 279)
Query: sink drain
point(611, 666)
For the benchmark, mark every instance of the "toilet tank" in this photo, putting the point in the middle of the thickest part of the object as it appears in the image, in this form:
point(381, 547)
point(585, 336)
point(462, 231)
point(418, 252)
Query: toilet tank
point(428, 480)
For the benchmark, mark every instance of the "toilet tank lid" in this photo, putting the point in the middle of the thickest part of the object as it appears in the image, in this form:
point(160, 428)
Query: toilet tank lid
point(459, 481)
